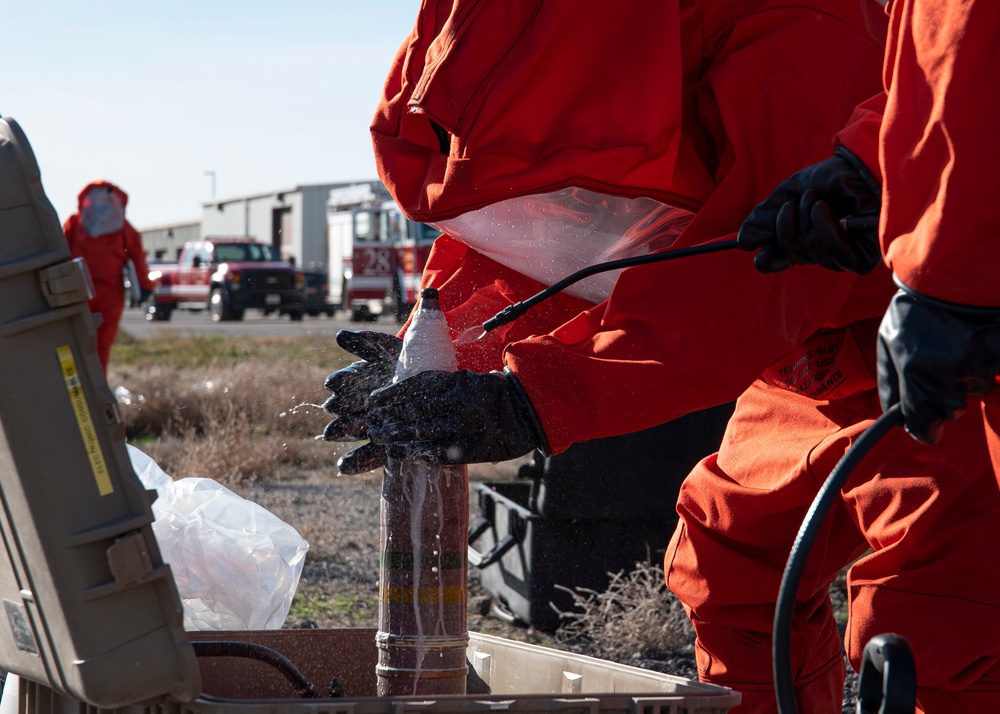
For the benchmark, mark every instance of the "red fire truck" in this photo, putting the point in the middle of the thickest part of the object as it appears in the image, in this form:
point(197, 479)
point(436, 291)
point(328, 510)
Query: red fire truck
point(381, 254)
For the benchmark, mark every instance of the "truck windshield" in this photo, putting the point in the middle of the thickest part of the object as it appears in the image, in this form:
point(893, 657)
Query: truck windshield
point(246, 252)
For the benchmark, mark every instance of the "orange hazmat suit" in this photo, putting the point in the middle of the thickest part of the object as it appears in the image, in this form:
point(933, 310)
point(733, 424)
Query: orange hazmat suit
point(942, 237)
point(99, 233)
point(931, 135)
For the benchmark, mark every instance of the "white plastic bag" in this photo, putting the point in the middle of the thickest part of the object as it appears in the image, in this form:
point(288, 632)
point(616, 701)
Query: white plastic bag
point(550, 236)
point(235, 563)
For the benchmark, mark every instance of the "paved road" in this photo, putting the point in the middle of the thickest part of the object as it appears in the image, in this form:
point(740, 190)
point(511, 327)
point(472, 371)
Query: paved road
point(185, 323)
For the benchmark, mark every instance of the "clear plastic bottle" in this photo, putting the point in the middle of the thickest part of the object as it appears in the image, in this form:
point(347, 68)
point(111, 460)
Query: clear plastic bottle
point(423, 574)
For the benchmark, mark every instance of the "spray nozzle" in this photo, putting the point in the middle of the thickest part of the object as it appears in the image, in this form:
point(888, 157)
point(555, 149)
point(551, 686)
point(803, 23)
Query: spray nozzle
point(508, 314)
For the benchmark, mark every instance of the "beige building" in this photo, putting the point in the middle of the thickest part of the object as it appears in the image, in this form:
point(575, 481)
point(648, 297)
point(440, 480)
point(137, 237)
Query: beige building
point(293, 220)
point(164, 243)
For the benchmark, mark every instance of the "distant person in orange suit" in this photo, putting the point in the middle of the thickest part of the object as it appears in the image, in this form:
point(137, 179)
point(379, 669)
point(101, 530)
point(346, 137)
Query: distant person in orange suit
point(99, 233)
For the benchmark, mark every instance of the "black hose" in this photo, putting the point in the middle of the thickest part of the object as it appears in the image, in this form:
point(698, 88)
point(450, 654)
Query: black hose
point(824, 500)
point(511, 313)
point(303, 687)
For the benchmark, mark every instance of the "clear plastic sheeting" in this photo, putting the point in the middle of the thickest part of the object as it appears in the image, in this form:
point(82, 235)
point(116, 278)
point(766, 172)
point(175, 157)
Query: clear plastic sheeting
point(236, 564)
point(549, 236)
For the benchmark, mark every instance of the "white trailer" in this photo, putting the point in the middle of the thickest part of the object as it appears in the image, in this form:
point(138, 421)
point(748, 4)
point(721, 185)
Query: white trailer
point(342, 208)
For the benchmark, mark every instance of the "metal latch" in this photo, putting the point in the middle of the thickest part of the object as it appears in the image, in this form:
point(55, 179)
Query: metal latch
point(67, 283)
point(129, 559)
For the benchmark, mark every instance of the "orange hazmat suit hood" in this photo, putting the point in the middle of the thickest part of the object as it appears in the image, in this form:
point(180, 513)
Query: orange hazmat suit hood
point(101, 205)
point(532, 133)
point(491, 101)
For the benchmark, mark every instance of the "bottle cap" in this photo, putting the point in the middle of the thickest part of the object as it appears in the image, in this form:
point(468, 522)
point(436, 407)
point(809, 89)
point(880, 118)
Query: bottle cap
point(428, 293)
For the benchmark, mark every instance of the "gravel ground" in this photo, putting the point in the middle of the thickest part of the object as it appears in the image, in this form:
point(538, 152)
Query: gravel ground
point(339, 517)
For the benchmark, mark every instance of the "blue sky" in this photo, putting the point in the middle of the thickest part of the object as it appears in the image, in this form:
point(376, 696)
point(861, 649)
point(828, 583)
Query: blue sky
point(152, 94)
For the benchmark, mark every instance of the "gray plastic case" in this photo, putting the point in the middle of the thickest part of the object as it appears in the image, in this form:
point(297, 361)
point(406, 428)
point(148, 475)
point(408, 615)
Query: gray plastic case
point(90, 607)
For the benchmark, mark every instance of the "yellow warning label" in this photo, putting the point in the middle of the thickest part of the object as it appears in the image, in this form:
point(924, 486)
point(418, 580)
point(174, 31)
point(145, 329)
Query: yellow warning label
point(87, 430)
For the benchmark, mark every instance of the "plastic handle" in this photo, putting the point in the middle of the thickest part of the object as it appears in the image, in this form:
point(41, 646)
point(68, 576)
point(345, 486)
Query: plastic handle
point(484, 560)
point(516, 530)
point(478, 528)
point(888, 682)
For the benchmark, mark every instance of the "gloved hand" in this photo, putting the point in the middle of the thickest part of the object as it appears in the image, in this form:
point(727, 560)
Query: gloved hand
point(351, 387)
point(931, 356)
point(144, 296)
point(455, 418)
point(800, 223)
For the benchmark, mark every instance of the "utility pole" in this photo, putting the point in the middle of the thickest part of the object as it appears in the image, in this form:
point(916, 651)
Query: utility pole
point(212, 175)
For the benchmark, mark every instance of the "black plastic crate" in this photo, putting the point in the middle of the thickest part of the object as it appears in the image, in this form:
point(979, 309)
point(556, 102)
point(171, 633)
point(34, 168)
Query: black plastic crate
point(629, 477)
point(524, 556)
point(577, 518)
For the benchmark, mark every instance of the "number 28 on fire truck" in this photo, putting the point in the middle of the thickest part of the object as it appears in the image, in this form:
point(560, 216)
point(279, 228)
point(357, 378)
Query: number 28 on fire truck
point(381, 253)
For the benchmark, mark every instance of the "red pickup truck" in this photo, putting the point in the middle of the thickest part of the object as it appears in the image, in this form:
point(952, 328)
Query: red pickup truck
point(226, 276)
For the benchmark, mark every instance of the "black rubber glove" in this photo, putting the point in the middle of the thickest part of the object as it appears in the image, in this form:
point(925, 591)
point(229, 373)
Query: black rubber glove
point(826, 214)
point(352, 387)
point(455, 418)
point(931, 356)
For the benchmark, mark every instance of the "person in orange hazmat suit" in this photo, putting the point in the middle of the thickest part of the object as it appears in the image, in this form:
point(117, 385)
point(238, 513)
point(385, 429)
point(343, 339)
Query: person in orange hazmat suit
point(939, 340)
point(100, 234)
point(940, 231)
point(546, 137)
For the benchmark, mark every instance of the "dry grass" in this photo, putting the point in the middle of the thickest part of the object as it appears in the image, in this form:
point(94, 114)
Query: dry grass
point(227, 410)
point(635, 618)
point(233, 409)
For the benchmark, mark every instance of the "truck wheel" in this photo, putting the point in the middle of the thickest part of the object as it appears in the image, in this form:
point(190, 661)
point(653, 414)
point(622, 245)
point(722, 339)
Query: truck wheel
point(360, 313)
point(219, 306)
point(296, 315)
point(158, 311)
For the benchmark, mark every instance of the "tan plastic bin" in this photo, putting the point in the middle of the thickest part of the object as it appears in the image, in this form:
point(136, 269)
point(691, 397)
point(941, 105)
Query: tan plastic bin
point(503, 676)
